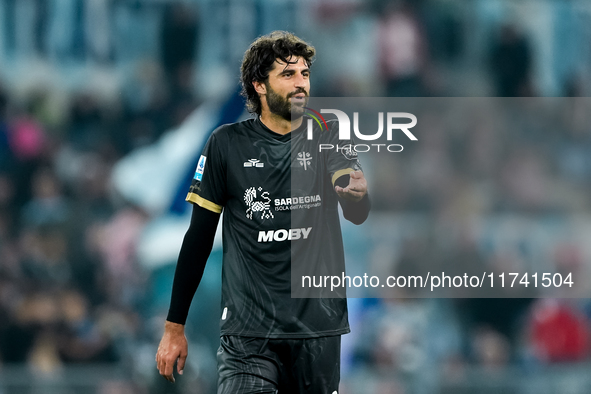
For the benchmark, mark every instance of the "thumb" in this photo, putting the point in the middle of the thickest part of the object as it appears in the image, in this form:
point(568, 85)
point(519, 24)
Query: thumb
point(180, 365)
point(355, 174)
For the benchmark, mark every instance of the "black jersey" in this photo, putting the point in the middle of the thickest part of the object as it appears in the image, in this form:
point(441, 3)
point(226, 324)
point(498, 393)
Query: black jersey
point(280, 208)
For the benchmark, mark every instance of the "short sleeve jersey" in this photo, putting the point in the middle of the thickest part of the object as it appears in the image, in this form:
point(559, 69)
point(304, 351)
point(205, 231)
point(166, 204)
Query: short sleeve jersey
point(280, 208)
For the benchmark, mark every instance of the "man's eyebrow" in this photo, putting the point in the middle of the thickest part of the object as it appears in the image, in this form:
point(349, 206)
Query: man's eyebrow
point(292, 71)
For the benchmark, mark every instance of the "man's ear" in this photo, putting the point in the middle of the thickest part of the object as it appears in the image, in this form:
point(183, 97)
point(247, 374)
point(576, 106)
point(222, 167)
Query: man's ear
point(260, 87)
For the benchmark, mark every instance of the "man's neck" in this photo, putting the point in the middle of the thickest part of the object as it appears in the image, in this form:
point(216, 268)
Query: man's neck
point(278, 124)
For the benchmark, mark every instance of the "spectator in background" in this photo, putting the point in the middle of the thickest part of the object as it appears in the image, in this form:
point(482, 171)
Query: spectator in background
point(27, 143)
point(9, 26)
point(490, 349)
point(41, 22)
point(80, 338)
point(115, 242)
point(6, 208)
point(85, 131)
point(98, 14)
point(33, 318)
point(41, 192)
point(48, 205)
point(5, 151)
point(43, 239)
point(558, 332)
point(402, 47)
point(178, 37)
point(510, 63)
point(178, 43)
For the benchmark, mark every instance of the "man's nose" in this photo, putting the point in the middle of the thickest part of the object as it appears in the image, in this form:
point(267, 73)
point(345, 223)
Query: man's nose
point(300, 81)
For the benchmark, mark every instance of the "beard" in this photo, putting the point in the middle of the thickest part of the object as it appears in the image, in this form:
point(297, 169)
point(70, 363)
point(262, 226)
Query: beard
point(281, 106)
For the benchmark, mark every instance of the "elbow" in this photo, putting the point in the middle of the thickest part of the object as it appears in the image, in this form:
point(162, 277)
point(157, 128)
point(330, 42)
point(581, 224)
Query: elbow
point(357, 219)
point(357, 213)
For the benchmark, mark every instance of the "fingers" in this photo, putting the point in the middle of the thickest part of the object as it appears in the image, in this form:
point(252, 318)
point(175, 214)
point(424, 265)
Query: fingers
point(349, 189)
point(173, 347)
point(168, 369)
point(356, 174)
point(180, 365)
point(356, 177)
point(349, 194)
point(343, 192)
point(165, 366)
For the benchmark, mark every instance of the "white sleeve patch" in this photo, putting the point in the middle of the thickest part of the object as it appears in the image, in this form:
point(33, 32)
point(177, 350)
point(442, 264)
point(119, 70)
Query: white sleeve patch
point(200, 168)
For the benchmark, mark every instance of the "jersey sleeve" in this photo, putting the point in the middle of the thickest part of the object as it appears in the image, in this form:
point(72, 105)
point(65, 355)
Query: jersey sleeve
point(344, 160)
point(208, 187)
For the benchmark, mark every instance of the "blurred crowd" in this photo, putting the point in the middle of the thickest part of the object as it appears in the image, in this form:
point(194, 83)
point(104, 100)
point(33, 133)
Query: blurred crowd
point(71, 288)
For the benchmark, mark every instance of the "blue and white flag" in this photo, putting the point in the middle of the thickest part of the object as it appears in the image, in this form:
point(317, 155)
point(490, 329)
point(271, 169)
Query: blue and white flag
point(157, 179)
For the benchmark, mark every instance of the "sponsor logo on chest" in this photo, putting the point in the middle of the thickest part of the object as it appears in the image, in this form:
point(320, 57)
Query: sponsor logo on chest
point(297, 200)
point(258, 203)
point(284, 234)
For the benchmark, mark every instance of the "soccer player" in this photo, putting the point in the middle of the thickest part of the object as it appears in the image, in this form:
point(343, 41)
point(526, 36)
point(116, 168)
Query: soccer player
point(280, 197)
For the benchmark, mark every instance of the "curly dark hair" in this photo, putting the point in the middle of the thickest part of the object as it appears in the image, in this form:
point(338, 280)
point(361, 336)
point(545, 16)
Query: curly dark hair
point(259, 58)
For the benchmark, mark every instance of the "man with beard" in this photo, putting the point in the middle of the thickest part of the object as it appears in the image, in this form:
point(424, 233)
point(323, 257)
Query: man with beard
point(274, 186)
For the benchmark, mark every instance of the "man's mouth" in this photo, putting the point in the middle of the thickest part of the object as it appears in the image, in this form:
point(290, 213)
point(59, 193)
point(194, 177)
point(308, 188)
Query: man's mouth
point(298, 97)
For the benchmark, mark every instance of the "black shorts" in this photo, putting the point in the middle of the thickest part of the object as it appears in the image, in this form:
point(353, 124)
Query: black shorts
point(262, 365)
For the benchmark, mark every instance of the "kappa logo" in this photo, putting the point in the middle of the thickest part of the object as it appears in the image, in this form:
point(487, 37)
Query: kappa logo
point(258, 201)
point(253, 163)
point(305, 159)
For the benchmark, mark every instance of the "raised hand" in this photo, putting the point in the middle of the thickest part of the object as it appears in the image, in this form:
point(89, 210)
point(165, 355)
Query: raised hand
point(355, 190)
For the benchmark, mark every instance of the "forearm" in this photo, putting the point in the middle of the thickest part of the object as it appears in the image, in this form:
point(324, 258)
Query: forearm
point(193, 255)
point(355, 212)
